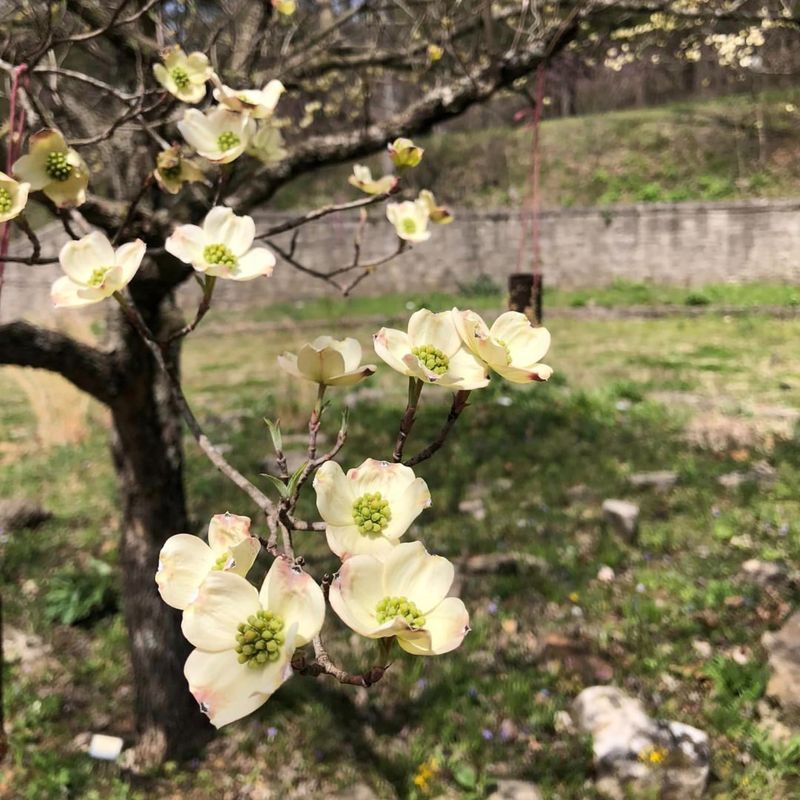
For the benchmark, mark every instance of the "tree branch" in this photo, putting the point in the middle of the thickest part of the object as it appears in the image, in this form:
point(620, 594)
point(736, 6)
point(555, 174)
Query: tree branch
point(91, 370)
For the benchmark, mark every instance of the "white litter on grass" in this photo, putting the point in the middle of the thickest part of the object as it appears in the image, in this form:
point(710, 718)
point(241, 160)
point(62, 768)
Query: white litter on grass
point(105, 747)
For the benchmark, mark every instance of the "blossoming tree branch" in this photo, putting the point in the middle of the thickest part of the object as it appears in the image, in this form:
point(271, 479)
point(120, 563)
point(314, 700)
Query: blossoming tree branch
point(248, 642)
point(151, 154)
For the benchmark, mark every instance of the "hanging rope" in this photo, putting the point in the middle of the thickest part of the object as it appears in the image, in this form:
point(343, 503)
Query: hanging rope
point(16, 128)
point(531, 213)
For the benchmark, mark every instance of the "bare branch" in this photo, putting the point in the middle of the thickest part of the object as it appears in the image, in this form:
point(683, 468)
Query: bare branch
point(89, 369)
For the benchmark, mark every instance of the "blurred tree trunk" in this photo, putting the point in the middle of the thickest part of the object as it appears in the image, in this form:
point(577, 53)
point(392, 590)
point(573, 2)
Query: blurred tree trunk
point(148, 459)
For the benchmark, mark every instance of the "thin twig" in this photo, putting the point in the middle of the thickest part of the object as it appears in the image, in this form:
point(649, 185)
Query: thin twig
point(318, 213)
point(459, 404)
point(408, 418)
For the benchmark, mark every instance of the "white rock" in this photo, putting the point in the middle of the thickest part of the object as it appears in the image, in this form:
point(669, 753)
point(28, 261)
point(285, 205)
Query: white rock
point(623, 516)
point(606, 574)
point(783, 653)
point(660, 480)
point(515, 790)
point(634, 754)
point(762, 573)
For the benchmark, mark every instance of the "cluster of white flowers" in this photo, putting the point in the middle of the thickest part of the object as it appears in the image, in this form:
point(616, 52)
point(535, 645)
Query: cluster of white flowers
point(384, 588)
point(240, 122)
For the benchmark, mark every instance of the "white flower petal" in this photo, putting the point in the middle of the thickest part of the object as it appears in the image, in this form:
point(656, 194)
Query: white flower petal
point(187, 243)
point(334, 494)
point(79, 259)
point(64, 294)
point(222, 226)
point(223, 601)
point(391, 346)
point(227, 530)
point(406, 507)
point(183, 564)
point(31, 169)
point(447, 625)
point(258, 262)
point(349, 378)
point(414, 573)
point(536, 372)
point(526, 343)
point(439, 330)
point(465, 371)
point(129, 257)
point(296, 597)
point(227, 690)
point(319, 364)
point(69, 193)
point(347, 540)
point(197, 132)
point(356, 592)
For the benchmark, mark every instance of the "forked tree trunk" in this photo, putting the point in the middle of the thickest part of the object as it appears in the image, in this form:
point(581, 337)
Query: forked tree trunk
point(148, 459)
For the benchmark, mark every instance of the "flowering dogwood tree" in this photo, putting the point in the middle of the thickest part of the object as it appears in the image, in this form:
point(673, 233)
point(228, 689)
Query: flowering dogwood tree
point(151, 130)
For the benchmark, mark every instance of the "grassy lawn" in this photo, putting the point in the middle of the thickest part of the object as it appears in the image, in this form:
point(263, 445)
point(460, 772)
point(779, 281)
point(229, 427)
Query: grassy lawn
point(701, 396)
point(700, 150)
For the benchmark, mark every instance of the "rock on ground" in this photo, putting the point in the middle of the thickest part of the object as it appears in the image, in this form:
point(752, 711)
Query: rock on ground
point(623, 516)
point(783, 653)
point(661, 479)
point(515, 790)
point(635, 754)
point(763, 573)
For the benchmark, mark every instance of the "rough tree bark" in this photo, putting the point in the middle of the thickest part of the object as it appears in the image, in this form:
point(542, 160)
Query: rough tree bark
point(147, 454)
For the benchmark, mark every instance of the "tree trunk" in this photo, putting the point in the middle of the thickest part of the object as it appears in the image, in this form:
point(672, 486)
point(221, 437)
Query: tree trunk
point(148, 458)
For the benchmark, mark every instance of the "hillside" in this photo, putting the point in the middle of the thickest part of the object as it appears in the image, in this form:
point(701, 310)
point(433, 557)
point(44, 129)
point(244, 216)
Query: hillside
point(732, 148)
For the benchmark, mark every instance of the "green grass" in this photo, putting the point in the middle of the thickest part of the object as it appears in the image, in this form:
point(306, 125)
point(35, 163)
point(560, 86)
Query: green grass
point(489, 296)
point(701, 150)
point(622, 396)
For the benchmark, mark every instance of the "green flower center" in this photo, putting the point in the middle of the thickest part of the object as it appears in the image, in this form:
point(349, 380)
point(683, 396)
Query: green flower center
point(503, 344)
point(221, 562)
point(181, 77)
point(371, 513)
point(5, 201)
point(227, 140)
point(57, 167)
point(219, 254)
point(391, 608)
point(408, 225)
point(260, 638)
point(98, 276)
point(433, 358)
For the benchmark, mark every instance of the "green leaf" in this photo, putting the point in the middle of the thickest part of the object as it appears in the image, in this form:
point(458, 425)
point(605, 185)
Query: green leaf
point(295, 477)
point(465, 776)
point(283, 489)
point(275, 433)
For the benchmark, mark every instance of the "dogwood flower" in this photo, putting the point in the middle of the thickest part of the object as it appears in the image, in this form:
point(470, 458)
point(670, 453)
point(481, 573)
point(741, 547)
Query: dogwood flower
point(258, 103)
point(369, 509)
point(438, 214)
point(403, 594)
point(267, 144)
point(362, 179)
point(245, 638)
point(431, 351)
point(54, 168)
point(185, 561)
point(183, 76)
point(404, 153)
point(222, 247)
point(410, 220)
point(512, 347)
point(94, 270)
point(329, 361)
point(13, 197)
point(173, 170)
point(220, 135)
